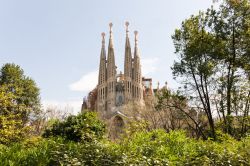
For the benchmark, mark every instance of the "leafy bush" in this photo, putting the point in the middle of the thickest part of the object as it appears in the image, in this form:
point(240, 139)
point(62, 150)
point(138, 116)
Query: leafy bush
point(12, 130)
point(20, 154)
point(160, 148)
point(83, 127)
point(56, 151)
point(142, 148)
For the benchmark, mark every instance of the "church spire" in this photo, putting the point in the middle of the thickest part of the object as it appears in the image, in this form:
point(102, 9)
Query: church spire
point(128, 55)
point(128, 67)
point(111, 45)
point(102, 66)
point(138, 92)
point(136, 53)
point(127, 31)
point(103, 40)
point(137, 61)
point(103, 51)
point(111, 68)
point(111, 72)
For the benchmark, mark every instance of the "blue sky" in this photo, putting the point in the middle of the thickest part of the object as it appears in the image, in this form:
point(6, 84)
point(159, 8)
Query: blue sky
point(57, 42)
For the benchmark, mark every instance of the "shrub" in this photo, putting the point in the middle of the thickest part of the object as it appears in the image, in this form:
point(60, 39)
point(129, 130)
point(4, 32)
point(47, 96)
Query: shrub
point(175, 148)
point(142, 148)
point(83, 127)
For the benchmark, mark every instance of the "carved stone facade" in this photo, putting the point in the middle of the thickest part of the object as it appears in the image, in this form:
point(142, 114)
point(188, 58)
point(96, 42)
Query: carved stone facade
point(115, 90)
point(117, 96)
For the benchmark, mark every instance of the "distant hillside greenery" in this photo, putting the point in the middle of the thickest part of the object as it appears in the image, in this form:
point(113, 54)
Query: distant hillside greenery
point(205, 122)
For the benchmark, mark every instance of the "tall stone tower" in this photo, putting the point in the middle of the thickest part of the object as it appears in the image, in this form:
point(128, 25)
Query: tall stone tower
point(111, 72)
point(102, 79)
point(136, 74)
point(128, 68)
point(115, 90)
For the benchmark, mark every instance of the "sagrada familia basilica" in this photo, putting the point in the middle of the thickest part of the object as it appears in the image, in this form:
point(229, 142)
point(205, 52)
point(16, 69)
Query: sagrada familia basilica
point(116, 90)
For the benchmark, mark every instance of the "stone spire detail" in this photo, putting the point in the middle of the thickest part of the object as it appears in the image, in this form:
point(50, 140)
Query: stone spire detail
point(127, 38)
point(111, 72)
point(103, 40)
point(111, 68)
point(102, 66)
point(111, 35)
point(128, 67)
point(136, 53)
point(137, 76)
point(101, 87)
point(137, 61)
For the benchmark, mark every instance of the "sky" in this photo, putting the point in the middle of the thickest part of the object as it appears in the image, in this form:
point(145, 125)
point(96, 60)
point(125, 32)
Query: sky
point(58, 42)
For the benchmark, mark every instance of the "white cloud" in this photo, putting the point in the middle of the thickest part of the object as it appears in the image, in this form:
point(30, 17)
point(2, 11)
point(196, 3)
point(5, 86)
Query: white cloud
point(70, 106)
point(149, 65)
point(86, 83)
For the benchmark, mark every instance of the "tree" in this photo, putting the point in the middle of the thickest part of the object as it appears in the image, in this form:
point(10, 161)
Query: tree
point(47, 117)
point(179, 115)
point(231, 25)
point(214, 59)
point(24, 89)
point(19, 101)
point(196, 66)
point(11, 126)
point(83, 127)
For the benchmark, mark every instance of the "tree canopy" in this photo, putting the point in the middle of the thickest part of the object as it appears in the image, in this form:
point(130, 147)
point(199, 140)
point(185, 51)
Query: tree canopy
point(213, 48)
point(25, 95)
point(19, 101)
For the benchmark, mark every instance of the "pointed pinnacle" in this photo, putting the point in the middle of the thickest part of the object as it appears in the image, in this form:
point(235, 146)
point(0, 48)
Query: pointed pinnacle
point(111, 35)
point(110, 27)
point(127, 24)
point(103, 39)
point(136, 37)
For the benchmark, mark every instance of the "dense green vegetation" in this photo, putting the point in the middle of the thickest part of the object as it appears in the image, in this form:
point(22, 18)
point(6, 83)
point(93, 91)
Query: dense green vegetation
point(205, 122)
point(142, 148)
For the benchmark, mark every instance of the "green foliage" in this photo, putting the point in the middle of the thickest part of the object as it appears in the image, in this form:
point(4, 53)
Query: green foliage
point(174, 148)
point(56, 151)
point(25, 98)
point(11, 123)
point(83, 127)
point(142, 148)
point(20, 154)
point(135, 126)
point(88, 153)
point(210, 44)
point(12, 130)
point(19, 98)
point(213, 49)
